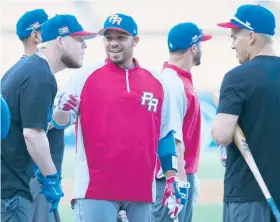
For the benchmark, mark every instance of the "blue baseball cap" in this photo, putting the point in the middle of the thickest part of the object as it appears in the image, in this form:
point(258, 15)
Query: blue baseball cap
point(63, 25)
point(184, 35)
point(121, 22)
point(29, 22)
point(252, 17)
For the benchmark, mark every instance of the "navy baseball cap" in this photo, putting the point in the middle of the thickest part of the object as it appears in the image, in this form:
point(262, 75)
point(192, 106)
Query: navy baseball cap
point(63, 25)
point(121, 22)
point(29, 22)
point(252, 17)
point(184, 35)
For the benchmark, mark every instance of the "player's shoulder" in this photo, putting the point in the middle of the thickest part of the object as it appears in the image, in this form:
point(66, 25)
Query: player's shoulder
point(155, 74)
point(251, 67)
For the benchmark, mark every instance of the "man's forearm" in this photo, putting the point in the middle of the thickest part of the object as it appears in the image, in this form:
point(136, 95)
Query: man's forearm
point(181, 161)
point(38, 147)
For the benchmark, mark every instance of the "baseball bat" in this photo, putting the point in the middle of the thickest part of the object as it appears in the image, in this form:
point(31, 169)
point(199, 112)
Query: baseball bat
point(241, 143)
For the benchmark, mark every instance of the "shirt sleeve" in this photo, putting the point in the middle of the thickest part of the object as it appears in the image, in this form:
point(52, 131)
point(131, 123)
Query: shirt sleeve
point(36, 100)
point(173, 109)
point(175, 105)
point(234, 91)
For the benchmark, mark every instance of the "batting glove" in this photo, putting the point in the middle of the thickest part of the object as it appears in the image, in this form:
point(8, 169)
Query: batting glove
point(52, 190)
point(223, 154)
point(38, 175)
point(67, 102)
point(172, 197)
point(183, 190)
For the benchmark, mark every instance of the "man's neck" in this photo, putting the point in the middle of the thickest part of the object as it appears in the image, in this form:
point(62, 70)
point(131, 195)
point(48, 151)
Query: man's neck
point(55, 64)
point(264, 51)
point(183, 64)
point(128, 64)
point(30, 50)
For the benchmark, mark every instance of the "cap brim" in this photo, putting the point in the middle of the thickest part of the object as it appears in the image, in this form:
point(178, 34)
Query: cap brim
point(229, 25)
point(84, 34)
point(102, 31)
point(206, 37)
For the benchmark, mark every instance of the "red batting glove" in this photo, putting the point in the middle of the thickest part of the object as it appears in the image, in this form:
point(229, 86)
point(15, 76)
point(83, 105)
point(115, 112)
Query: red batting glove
point(68, 102)
point(172, 197)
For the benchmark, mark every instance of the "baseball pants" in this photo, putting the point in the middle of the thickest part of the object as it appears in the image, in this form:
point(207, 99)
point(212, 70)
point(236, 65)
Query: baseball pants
point(40, 207)
point(88, 210)
point(16, 209)
point(160, 212)
point(245, 212)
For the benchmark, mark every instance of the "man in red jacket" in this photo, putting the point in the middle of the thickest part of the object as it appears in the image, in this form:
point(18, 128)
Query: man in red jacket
point(124, 123)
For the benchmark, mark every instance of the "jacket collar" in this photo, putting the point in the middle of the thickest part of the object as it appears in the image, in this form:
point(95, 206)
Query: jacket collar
point(180, 71)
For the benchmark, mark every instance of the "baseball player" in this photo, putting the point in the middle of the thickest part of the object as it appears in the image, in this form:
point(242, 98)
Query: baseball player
point(29, 88)
point(250, 96)
point(124, 110)
point(28, 31)
point(184, 41)
point(5, 118)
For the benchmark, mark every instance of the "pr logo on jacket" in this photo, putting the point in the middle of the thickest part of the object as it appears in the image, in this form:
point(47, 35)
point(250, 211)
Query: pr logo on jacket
point(149, 101)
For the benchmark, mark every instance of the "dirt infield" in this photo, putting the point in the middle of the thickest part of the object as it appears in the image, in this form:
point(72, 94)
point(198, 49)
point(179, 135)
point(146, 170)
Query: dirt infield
point(211, 192)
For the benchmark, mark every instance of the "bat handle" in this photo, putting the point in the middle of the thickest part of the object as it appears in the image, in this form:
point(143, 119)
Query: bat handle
point(274, 209)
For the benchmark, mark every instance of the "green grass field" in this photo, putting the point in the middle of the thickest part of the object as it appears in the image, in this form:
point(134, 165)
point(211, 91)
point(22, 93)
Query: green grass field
point(210, 169)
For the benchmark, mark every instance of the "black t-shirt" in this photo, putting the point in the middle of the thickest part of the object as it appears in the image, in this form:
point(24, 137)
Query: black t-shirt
point(29, 88)
point(252, 92)
point(56, 141)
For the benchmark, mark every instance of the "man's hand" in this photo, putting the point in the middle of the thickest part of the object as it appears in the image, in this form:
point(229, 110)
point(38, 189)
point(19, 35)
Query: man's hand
point(52, 190)
point(183, 191)
point(68, 102)
point(172, 197)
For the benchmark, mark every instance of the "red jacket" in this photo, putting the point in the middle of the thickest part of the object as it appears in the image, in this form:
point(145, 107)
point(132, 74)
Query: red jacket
point(120, 123)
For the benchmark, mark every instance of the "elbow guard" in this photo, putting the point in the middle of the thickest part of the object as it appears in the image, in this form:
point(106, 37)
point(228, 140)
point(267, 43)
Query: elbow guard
point(167, 152)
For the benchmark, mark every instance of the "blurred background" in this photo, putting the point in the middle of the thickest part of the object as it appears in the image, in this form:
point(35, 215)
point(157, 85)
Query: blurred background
point(154, 19)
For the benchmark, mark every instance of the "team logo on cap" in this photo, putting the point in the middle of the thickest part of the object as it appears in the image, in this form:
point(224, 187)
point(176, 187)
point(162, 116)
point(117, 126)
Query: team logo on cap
point(115, 19)
point(63, 30)
point(196, 38)
point(34, 26)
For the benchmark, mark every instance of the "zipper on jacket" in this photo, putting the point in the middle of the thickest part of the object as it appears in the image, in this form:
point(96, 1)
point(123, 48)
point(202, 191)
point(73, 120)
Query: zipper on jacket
point(127, 80)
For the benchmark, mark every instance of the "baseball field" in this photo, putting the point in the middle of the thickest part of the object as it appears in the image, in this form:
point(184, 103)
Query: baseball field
point(208, 208)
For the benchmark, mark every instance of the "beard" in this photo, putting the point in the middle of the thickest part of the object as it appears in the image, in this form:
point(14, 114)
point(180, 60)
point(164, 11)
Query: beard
point(70, 63)
point(197, 58)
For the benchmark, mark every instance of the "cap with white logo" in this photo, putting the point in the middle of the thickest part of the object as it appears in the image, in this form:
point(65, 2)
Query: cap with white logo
point(184, 35)
point(252, 17)
point(121, 22)
point(63, 25)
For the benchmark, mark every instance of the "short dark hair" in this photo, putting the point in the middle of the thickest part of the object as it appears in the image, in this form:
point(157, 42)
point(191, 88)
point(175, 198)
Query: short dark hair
point(178, 52)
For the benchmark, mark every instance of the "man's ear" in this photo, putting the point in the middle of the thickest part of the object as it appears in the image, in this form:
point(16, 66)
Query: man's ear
point(36, 37)
point(194, 49)
point(59, 42)
point(135, 41)
point(252, 37)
